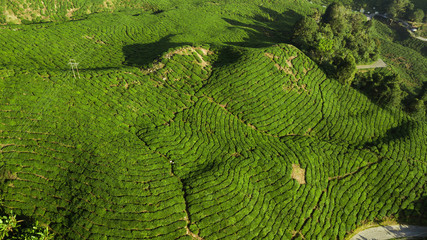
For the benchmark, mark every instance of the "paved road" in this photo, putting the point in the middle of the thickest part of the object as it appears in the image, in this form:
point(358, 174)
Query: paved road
point(391, 232)
point(378, 64)
point(421, 38)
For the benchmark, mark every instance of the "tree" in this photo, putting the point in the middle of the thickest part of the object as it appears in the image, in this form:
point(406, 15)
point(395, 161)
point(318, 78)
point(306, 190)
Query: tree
point(304, 32)
point(417, 15)
point(382, 87)
point(336, 42)
point(335, 15)
point(418, 109)
point(317, 16)
point(333, 12)
point(394, 94)
point(324, 49)
point(357, 23)
point(324, 45)
point(398, 8)
point(346, 69)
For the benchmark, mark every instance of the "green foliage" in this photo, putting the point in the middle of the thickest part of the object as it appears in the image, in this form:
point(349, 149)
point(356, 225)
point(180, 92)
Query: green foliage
point(7, 225)
point(346, 69)
point(305, 32)
point(325, 46)
point(336, 16)
point(403, 9)
point(399, 8)
point(161, 138)
point(14, 229)
point(382, 86)
point(419, 108)
point(338, 36)
point(49, 10)
point(422, 31)
point(417, 15)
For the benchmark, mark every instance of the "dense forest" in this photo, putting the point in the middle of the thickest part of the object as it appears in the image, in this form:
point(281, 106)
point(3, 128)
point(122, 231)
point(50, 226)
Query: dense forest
point(337, 40)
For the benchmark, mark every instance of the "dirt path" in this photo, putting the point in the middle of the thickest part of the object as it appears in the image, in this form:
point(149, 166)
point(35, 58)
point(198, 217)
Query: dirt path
point(378, 64)
point(391, 232)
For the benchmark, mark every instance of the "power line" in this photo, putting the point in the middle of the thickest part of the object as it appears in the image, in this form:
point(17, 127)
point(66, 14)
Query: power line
point(74, 65)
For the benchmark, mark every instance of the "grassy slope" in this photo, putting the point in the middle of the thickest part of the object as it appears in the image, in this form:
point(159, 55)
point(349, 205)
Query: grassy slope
point(92, 156)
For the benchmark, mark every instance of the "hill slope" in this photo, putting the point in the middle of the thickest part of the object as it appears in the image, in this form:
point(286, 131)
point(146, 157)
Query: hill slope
point(206, 142)
point(220, 148)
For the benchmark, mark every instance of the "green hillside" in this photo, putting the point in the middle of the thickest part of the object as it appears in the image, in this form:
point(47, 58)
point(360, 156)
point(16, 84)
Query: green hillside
point(198, 121)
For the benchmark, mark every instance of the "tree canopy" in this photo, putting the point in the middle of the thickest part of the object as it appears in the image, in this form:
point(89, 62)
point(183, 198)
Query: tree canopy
point(337, 41)
point(399, 8)
point(417, 15)
point(382, 86)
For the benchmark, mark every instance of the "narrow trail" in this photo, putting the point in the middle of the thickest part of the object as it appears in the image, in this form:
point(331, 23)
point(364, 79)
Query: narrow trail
point(391, 232)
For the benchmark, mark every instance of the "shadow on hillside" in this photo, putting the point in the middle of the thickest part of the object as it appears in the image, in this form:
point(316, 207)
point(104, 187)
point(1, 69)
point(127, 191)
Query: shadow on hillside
point(401, 131)
point(141, 55)
point(267, 28)
point(410, 101)
point(400, 33)
point(414, 215)
point(227, 55)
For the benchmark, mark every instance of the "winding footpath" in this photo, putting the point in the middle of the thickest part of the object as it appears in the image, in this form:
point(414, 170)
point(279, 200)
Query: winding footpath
point(391, 232)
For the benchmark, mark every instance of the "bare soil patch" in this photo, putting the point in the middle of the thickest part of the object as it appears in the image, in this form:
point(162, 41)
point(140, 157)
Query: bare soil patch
point(11, 17)
point(298, 173)
point(70, 12)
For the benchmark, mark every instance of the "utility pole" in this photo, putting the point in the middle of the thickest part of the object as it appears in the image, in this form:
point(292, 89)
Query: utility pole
point(74, 65)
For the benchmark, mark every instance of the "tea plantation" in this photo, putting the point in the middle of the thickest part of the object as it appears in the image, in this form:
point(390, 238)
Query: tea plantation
point(214, 130)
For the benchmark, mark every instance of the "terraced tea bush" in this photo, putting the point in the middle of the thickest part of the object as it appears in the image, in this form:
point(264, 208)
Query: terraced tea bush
point(174, 132)
point(45, 11)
